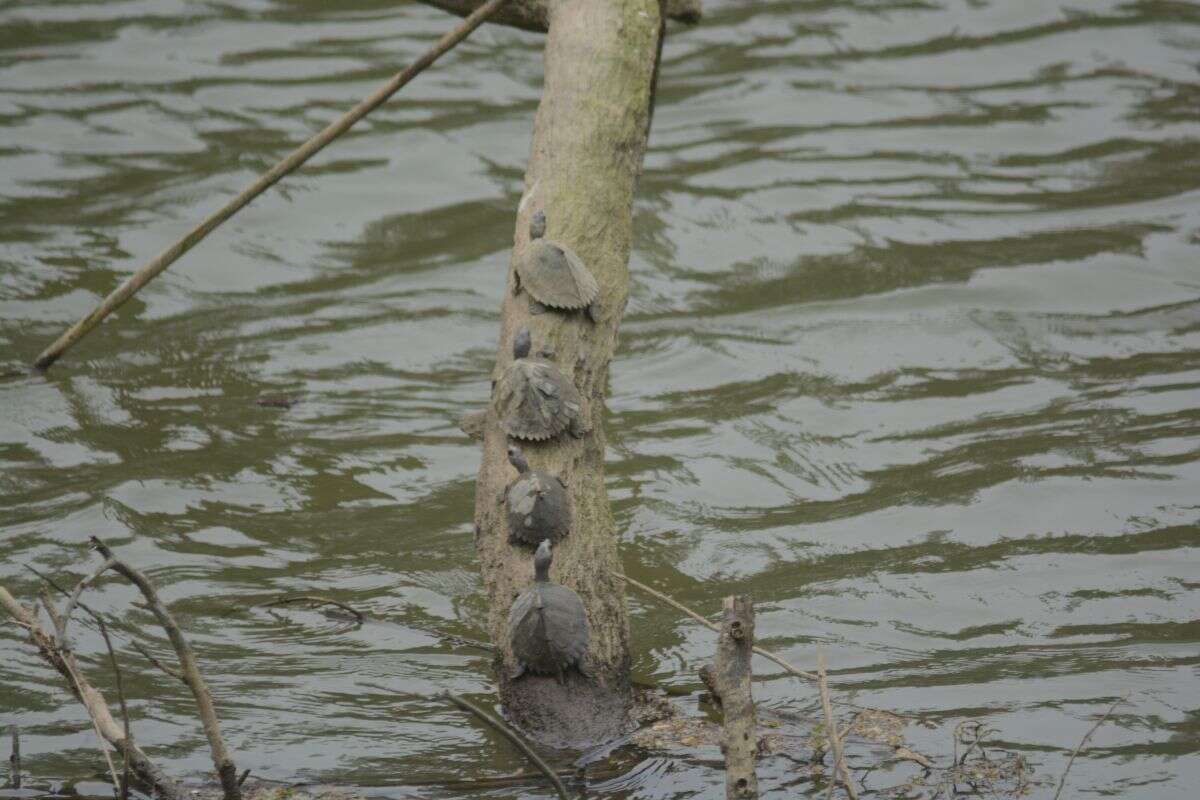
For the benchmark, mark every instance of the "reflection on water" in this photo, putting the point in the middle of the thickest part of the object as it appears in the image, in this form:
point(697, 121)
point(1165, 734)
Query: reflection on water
point(912, 355)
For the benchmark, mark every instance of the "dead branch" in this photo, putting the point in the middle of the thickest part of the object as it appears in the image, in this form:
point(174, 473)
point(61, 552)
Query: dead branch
point(316, 600)
point(1062, 781)
point(112, 657)
point(60, 624)
point(508, 733)
point(222, 760)
point(710, 625)
point(534, 15)
point(731, 676)
point(169, 670)
point(131, 285)
point(93, 702)
point(835, 739)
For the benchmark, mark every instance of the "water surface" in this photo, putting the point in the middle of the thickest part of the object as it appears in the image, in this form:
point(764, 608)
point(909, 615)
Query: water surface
point(912, 355)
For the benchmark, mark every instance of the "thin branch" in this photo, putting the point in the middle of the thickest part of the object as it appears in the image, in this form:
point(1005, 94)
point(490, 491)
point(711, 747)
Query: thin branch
point(112, 657)
point(131, 285)
point(1083, 742)
point(453, 638)
point(73, 599)
point(317, 601)
point(171, 671)
point(835, 740)
point(711, 626)
point(508, 733)
point(222, 760)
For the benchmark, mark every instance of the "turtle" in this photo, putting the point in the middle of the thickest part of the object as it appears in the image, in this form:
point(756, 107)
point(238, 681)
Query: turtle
point(537, 503)
point(553, 275)
point(547, 625)
point(534, 400)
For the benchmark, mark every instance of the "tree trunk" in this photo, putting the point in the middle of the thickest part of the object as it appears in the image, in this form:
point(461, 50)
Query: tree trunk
point(589, 137)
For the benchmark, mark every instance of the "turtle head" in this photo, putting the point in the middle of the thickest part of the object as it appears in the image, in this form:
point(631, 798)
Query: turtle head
point(537, 225)
point(541, 562)
point(517, 459)
point(522, 344)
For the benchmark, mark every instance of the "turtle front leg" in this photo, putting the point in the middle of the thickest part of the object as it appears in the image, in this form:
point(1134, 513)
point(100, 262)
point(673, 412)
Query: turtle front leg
point(518, 672)
point(593, 311)
point(536, 308)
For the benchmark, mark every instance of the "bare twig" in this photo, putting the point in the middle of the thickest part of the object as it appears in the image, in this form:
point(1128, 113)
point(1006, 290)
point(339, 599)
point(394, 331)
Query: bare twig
point(169, 670)
point(316, 600)
point(222, 760)
point(14, 761)
point(835, 740)
point(93, 702)
point(508, 733)
point(112, 657)
point(60, 625)
point(131, 285)
point(453, 638)
point(711, 626)
point(1083, 742)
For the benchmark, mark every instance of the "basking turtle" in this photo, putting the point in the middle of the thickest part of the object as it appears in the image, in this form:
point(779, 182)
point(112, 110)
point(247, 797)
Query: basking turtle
point(553, 275)
point(547, 624)
point(537, 503)
point(534, 400)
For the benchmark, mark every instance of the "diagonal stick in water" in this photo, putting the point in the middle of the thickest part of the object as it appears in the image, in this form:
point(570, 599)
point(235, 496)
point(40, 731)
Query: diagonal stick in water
point(131, 285)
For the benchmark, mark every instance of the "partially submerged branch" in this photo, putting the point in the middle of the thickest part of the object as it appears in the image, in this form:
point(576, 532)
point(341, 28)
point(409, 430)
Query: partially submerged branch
point(316, 600)
point(222, 760)
point(508, 733)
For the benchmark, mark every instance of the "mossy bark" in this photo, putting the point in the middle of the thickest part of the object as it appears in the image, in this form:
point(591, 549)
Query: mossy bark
point(589, 138)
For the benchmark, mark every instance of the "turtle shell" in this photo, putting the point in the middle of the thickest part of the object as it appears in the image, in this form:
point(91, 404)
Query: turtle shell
point(548, 629)
point(556, 277)
point(535, 401)
point(538, 507)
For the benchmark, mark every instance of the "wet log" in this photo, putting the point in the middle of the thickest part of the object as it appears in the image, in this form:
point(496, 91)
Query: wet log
point(534, 15)
point(589, 137)
point(731, 680)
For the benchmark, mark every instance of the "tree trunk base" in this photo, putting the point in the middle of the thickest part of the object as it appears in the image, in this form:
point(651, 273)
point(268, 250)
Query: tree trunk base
point(576, 714)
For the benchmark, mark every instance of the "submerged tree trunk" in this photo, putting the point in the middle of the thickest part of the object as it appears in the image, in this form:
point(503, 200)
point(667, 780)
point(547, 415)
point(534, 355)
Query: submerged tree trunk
point(589, 137)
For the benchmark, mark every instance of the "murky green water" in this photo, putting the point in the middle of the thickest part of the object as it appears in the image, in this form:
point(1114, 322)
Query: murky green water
point(912, 355)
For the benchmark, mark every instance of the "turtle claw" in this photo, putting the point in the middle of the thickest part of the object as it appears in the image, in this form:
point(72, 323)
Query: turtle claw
point(536, 308)
point(593, 311)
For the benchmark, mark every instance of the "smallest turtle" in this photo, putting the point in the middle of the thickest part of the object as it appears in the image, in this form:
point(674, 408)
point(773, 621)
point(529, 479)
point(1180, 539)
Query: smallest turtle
point(537, 503)
point(553, 275)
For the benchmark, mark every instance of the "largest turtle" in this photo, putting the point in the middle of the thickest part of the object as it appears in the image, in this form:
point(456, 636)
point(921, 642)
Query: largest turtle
point(547, 625)
point(553, 275)
point(534, 400)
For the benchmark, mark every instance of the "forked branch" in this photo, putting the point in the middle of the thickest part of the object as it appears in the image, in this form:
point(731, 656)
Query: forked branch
point(222, 760)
